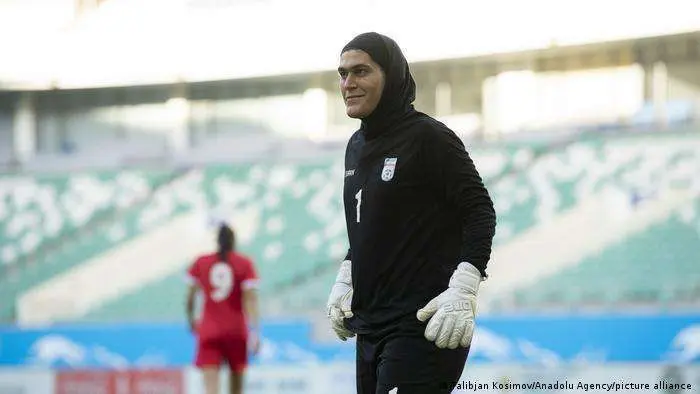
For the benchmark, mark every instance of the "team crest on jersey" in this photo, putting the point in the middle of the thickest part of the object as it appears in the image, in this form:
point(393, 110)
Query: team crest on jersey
point(389, 168)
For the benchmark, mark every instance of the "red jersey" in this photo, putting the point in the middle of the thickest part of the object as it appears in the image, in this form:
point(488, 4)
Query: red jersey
point(222, 283)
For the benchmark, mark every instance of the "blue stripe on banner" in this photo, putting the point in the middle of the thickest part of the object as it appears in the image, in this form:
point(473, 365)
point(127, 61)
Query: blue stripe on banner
point(527, 339)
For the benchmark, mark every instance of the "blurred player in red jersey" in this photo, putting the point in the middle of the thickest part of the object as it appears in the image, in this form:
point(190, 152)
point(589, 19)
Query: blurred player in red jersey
point(227, 331)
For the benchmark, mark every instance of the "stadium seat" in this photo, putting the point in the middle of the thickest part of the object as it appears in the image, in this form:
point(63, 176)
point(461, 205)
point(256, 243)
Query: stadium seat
point(300, 236)
point(55, 222)
point(658, 265)
point(302, 228)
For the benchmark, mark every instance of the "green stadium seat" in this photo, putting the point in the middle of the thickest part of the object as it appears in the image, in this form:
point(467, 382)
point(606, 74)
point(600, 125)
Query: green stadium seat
point(302, 237)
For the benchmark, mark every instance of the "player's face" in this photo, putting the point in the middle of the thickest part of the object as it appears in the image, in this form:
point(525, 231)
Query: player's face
point(361, 83)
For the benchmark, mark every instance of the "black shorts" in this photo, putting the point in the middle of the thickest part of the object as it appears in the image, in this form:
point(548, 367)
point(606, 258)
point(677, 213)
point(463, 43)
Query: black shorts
point(402, 358)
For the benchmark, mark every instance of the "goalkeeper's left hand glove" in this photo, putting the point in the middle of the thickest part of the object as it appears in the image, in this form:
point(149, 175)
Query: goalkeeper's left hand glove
point(453, 311)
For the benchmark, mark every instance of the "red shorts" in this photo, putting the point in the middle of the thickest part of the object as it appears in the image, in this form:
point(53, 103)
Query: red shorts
point(212, 352)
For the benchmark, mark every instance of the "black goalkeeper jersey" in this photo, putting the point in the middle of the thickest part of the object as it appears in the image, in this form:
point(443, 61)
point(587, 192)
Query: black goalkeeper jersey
point(415, 207)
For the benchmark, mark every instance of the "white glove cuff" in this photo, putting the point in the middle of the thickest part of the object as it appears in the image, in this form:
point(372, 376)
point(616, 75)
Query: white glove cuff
point(345, 273)
point(467, 278)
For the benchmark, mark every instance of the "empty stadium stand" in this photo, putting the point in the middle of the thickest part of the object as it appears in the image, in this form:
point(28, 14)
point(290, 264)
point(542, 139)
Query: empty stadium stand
point(658, 265)
point(298, 231)
point(52, 222)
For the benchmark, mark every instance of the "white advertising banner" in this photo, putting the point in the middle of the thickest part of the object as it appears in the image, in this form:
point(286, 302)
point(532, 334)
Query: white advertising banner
point(339, 378)
point(26, 381)
point(601, 378)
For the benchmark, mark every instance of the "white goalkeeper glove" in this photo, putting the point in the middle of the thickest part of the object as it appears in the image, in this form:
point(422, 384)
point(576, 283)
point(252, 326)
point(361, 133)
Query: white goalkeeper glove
point(340, 301)
point(452, 312)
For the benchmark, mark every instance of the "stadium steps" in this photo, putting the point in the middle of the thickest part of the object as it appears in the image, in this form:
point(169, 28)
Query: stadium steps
point(567, 239)
point(160, 300)
point(557, 181)
point(260, 204)
point(143, 259)
point(306, 296)
point(39, 213)
point(163, 300)
point(656, 266)
point(288, 218)
point(563, 178)
point(76, 243)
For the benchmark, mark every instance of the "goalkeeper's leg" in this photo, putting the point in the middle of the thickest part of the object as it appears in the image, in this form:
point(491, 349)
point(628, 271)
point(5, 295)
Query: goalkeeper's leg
point(413, 365)
point(366, 365)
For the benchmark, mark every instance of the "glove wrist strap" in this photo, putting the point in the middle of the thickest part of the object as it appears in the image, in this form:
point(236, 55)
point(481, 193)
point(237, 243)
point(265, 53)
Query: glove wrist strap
point(345, 273)
point(466, 277)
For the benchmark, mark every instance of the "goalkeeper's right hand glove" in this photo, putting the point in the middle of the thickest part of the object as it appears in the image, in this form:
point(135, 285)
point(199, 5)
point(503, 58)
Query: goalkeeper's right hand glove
point(340, 301)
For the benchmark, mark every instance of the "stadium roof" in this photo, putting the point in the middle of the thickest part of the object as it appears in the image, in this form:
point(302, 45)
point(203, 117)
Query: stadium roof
point(132, 42)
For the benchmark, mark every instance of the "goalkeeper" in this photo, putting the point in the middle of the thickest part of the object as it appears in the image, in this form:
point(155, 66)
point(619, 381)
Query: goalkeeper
point(420, 226)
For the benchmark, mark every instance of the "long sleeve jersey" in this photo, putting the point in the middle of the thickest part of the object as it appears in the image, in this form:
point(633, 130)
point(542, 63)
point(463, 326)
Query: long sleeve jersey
point(415, 207)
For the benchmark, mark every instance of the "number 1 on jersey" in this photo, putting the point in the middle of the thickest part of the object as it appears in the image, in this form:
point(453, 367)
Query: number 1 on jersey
point(358, 197)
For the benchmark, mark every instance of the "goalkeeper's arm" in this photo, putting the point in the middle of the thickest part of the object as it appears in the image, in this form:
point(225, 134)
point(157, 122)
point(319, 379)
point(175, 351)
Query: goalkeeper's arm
point(456, 178)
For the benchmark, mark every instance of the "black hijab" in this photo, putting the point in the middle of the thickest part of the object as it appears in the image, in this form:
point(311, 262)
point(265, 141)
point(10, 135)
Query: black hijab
point(399, 92)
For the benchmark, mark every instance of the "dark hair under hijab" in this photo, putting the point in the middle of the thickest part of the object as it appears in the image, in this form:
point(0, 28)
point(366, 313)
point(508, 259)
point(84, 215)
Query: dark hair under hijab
point(226, 241)
point(399, 91)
